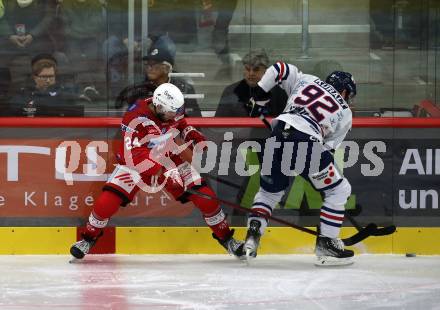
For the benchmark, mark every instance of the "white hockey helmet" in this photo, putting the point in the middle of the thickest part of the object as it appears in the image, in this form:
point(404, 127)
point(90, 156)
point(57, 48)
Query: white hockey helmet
point(168, 100)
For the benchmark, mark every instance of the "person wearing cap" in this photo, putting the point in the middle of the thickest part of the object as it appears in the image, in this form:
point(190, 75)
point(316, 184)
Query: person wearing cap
point(44, 95)
point(158, 64)
point(235, 97)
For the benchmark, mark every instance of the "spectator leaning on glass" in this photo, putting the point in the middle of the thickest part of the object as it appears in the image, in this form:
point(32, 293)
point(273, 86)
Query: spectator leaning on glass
point(158, 64)
point(235, 97)
point(43, 96)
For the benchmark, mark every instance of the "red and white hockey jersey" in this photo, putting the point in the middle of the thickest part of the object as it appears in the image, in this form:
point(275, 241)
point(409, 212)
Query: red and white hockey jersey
point(314, 107)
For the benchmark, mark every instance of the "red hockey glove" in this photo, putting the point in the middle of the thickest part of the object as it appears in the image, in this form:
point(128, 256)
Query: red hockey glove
point(189, 133)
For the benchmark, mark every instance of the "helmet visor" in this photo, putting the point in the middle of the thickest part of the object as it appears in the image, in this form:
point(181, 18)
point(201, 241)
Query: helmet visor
point(167, 114)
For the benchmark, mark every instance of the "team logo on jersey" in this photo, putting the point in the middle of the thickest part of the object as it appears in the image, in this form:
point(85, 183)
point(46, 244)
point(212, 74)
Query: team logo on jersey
point(125, 128)
point(132, 107)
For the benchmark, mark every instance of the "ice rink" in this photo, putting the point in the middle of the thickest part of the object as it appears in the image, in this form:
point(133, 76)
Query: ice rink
point(218, 282)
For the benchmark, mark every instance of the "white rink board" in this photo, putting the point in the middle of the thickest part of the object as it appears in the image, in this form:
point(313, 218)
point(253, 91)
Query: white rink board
point(218, 282)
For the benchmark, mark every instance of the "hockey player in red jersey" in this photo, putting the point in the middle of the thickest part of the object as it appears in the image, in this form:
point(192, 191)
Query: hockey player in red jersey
point(149, 159)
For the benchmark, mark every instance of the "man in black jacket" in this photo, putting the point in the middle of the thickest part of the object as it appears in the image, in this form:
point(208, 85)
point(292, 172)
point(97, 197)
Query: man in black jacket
point(235, 97)
point(45, 96)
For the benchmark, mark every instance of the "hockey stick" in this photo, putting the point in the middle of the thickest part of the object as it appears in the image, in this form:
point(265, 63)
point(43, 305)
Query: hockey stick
point(372, 229)
point(356, 238)
point(382, 231)
point(388, 230)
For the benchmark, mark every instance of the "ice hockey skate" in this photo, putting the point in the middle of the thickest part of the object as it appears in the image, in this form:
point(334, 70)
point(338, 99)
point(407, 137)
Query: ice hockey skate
point(331, 252)
point(252, 240)
point(81, 248)
point(233, 246)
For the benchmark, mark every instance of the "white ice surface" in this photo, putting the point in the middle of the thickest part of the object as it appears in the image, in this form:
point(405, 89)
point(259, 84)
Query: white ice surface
point(218, 282)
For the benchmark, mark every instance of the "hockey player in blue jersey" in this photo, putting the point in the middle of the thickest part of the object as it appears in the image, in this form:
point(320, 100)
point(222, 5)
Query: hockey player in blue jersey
point(314, 123)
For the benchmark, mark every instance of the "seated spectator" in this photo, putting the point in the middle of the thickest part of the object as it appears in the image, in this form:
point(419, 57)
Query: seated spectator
point(44, 96)
point(84, 28)
point(25, 28)
point(225, 11)
point(158, 64)
point(235, 97)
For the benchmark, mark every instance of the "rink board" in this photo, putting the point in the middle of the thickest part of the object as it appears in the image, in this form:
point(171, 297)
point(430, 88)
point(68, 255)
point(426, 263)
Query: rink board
point(198, 240)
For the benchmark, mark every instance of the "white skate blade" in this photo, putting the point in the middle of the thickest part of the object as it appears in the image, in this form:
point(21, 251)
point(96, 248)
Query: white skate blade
point(323, 261)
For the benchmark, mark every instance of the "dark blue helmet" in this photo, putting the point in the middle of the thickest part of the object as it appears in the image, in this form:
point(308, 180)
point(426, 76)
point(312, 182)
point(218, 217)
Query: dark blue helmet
point(341, 81)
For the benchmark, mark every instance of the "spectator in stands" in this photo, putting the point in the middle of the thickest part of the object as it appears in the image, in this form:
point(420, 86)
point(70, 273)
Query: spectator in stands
point(158, 64)
point(84, 27)
point(25, 28)
point(44, 96)
point(225, 11)
point(178, 19)
point(235, 97)
point(116, 46)
point(233, 103)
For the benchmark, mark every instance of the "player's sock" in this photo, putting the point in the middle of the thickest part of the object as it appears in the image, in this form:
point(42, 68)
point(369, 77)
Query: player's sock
point(105, 206)
point(212, 213)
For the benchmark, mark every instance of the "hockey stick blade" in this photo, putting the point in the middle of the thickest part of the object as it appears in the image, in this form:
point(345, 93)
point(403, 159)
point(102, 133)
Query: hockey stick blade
point(388, 230)
point(361, 235)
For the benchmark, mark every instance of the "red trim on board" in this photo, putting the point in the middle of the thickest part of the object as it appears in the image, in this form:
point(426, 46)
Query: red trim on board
point(219, 122)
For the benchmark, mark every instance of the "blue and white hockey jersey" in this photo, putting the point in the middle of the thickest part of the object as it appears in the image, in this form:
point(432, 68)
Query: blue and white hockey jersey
point(314, 107)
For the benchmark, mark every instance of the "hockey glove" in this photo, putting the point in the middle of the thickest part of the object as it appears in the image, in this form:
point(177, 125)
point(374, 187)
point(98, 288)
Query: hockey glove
point(257, 108)
point(189, 133)
point(258, 101)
